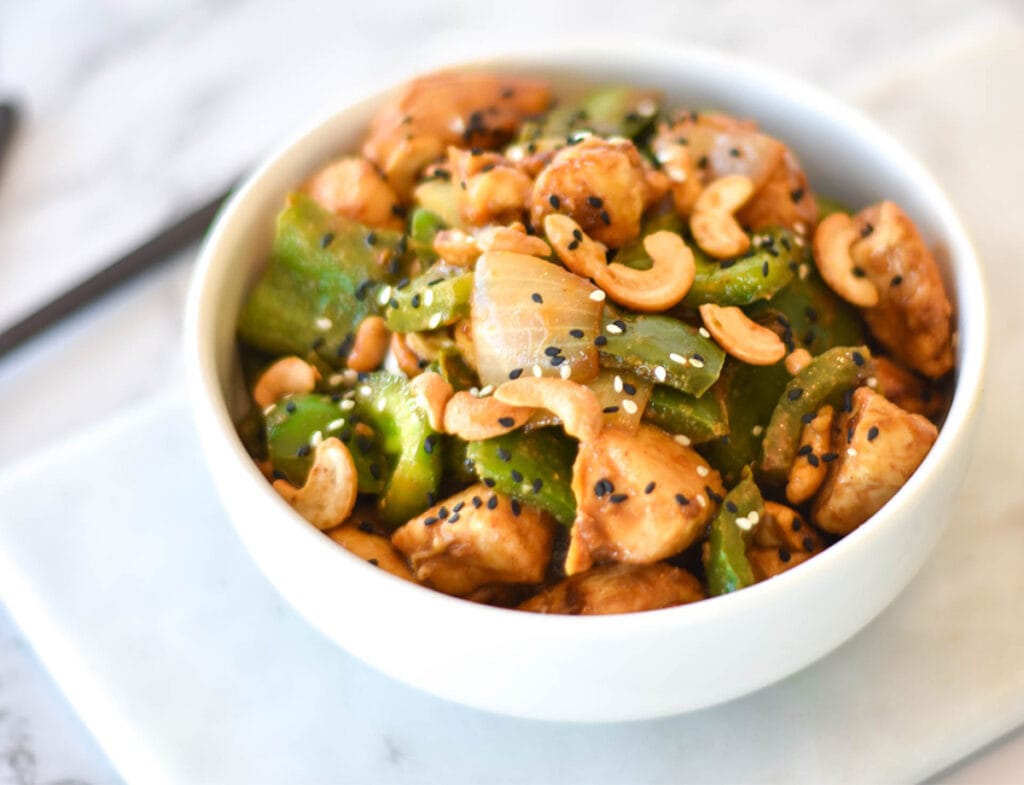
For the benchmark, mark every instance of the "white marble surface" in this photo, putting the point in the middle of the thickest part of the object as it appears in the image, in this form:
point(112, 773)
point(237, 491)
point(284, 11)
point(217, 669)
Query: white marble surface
point(136, 110)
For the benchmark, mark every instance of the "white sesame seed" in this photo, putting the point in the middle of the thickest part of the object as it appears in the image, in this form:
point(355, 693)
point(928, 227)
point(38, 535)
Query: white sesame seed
point(660, 373)
point(268, 409)
point(696, 363)
point(617, 384)
point(754, 517)
point(435, 320)
point(851, 452)
point(800, 227)
point(428, 298)
point(677, 358)
point(382, 404)
point(323, 323)
point(743, 523)
point(537, 371)
point(384, 295)
point(683, 439)
point(366, 391)
point(349, 395)
point(803, 271)
point(702, 471)
point(701, 500)
point(335, 425)
point(347, 405)
point(474, 391)
point(316, 438)
point(485, 391)
point(565, 371)
point(704, 333)
point(629, 407)
point(871, 382)
point(614, 329)
point(597, 295)
point(757, 430)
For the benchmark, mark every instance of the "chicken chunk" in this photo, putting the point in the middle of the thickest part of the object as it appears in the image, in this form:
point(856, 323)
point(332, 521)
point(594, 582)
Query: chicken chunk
point(879, 447)
point(640, 497)
point(618, 588)
point(372, 547)
point(913, 315)
point(354, 188)
point(490, 189)
point(781, 541)
point(601, 184)
point(907, 390)
point(474, 538)
point(718, 145)
point(472, 110)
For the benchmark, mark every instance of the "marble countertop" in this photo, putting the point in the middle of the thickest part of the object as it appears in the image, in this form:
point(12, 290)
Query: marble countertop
point(133, 112)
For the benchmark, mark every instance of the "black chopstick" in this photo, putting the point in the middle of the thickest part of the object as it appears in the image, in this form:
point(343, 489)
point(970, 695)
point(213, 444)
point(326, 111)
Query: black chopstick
point(158, 248)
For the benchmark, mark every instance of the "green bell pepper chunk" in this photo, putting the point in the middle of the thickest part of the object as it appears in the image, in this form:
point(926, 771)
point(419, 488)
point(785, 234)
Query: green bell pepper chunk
point(424, 225)
point(699, 419)
point(438, 297)
point(726, 564)
point(319, 285)
point(825, 380)
point(290, 425)
point(812, 315)
point(633, 254)
point(412, 447)
point(757, 275)
point(827, 205)
point(532, 466)
point(653, 347)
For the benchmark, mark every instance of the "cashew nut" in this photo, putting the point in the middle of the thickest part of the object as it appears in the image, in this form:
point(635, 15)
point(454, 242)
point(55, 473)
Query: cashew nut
point(578, 252)
point(406, 359)
point(741, 337)
point(472, 418)
point(512, 238)
point(432, 392)
point(575, 405)
point(456, 247)
point(655, 289)
point(712, 222)
point(370, 346)
point(797, 360)
point(808, 471)
point(287, 376)
point(373, 548)
point(832, 241)
point(330, 491)
point(678, 166)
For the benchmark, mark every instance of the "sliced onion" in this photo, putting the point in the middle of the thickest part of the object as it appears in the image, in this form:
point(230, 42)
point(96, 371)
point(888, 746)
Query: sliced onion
point(522, 309)
point(623, 397)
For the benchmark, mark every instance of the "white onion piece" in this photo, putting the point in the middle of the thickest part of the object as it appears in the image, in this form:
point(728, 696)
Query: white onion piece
point(523, 306)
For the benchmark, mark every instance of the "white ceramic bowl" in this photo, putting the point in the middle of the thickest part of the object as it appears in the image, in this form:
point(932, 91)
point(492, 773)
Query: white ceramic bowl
point(613, 667)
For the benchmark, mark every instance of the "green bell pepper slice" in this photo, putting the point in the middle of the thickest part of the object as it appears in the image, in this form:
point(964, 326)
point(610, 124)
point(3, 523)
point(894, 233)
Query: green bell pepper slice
point(438, 297)
point(726, 565)
point(757, 275)
point(699, 419)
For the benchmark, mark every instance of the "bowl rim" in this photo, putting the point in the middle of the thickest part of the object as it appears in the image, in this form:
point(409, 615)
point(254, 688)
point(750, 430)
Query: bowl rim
point(210, 408)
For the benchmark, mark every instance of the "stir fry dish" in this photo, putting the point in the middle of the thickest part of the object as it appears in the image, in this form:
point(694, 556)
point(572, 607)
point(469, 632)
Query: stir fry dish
point(587, 356)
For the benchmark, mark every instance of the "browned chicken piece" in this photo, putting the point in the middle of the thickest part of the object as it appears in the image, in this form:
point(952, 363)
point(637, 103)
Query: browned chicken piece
point(718, 145)
point(354, 188)
point(879, 446)
point(491, 190)
point(472, 110)
point(372, 547)
point(913, 315)
point(600, 184)
point(474, 538)
point(781, 541)
point(640, 497)
point(906, 389)
point(618, 588)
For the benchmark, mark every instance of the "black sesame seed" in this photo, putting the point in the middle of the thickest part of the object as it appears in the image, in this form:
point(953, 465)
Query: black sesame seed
point(731, 507)
point(805, 450)
point(858, 272)
point(492, 503)
point(797, 524)
point(599, 489)
point(849, 434)
point(515, 373)
point(618, 498)
point(393, 303)
point(813, 460)
point(784, 555)
point(610, 254)
point(829, 457)
point(398, 211)
point(429, 443)
point(702, 162)
point(454, 518)
point(517, 476)
point(808, 418)
point(404, 282)
point(415, 301)
point(848, 400)
point(326, 239)
point(506, 422)
point(554, 201)
point(538, 483)
point(620, 324)
point(896, 280)
point(577, 235)
point(442, 513)
point(795, 393)
point(504, 455)
point(808, 544)
point(607, 219)
point(872, 433)
point(698, 357)
point(516, 508)
point(430, 521)
point(649, 487)
point(290, 407)
point(371, 238)
point(629, 389)
point(552, 351)
point(796, 194)
point(734, 152)
point(595, 201)
point(536, 298)
point(764, 270)
point(490, 482)
point(279, 475)
point(303, 451)
point(477, 502)
point(431, 498)
point(866, 230)
point(600, 340)
point(681, 500)
point(458, 506)
point(573, 245)
point(375, 471)
point(576, 333)
point(715, 497)
point(858, 358)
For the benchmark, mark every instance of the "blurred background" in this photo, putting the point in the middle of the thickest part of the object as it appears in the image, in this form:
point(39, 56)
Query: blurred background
point(132, 113)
